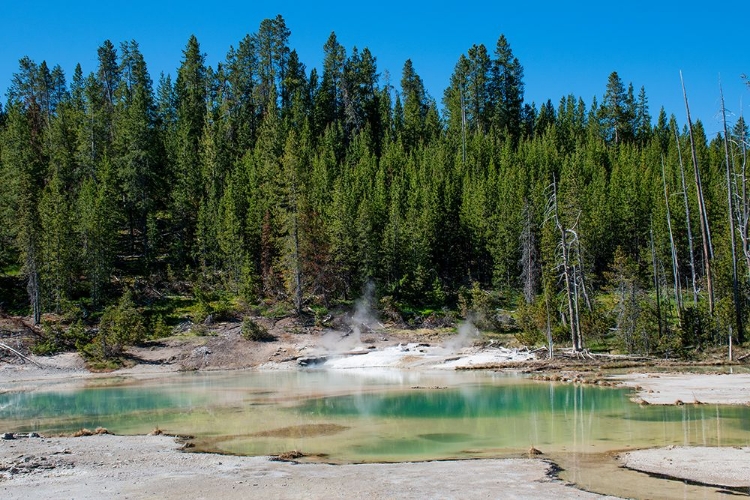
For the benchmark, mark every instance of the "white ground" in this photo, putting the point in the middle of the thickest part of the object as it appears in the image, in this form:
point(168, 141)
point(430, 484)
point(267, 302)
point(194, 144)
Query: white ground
point(414, 355)
point(105, 466)
point(678, 388)
point(717, 466)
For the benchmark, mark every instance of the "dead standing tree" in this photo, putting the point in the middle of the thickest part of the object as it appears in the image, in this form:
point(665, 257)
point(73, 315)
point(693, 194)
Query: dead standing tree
point(741, 195)
point(708, 252)
point(730, 209)
point(530, 272)
point(672, 248)
point(568, 266)
point(691, 251)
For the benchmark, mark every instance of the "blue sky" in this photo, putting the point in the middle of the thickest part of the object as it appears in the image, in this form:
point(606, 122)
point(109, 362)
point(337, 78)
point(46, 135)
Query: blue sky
point(565, 47)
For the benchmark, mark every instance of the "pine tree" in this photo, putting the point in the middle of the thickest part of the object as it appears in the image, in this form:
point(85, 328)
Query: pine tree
point(617, 111)
point(530, 271)
point(108, 78)
point(508, 87)
point(135, 157)
point(31, 104)
point(240, 99)
point(415, 107)
point(98, 219)
point(272, 47)
point(58, 246)
point(22, 168)
point(642, 119)
point(190, 97)
point(329, 96)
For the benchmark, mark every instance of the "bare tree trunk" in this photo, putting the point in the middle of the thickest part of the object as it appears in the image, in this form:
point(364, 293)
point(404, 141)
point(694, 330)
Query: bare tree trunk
point(549, 326)
point(705, 231)
point(743, 210)
point(577, 344)
point(567, 271)
point(529, 255)
point(656, 287)
point(567, 275)
point(581, 275)
point(687, 219)
point(675, 265)
point(735, 284)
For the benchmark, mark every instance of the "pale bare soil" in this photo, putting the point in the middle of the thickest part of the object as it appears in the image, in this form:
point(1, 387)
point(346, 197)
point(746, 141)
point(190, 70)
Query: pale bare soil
point(725, 466)
point(106, 466)
point(686, 388)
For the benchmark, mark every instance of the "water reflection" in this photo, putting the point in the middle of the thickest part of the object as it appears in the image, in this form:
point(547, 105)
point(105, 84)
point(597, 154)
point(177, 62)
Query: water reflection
point(376, 415)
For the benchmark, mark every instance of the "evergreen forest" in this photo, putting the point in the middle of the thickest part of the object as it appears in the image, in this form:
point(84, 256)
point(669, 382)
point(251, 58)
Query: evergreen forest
point(259, 185)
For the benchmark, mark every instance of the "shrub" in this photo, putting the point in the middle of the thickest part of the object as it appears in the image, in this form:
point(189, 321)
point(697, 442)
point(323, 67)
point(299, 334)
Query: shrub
point(251, 330)
point(390, 311)
point(159, 328)
point(56, 338)
point(532, 322)
point(200, 312)
point(121, 325)
point(478, 306)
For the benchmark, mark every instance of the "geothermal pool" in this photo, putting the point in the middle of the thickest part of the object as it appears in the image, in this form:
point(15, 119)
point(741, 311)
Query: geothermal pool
point(380, 415)
point(373, 415)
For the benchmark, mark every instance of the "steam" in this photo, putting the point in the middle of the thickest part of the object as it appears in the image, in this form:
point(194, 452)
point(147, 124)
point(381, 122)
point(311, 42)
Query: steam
point(364, 318)
point(467, 333)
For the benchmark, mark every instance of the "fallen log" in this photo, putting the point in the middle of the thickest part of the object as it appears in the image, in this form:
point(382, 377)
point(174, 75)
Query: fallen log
point(25, 358)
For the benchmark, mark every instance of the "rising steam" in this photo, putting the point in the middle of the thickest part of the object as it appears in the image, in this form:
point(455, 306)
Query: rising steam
point(467, 333)
point(364, 318)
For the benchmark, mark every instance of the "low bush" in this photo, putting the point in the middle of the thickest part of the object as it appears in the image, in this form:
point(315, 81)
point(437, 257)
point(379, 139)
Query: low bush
point(121, 325)
point(252, 330)
point(55, 338)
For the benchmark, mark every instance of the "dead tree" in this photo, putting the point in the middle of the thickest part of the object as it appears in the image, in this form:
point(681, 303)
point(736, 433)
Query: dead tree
point(579, 267)
point(705, 231)
point(687, 218)
point(673, 250)
point(529, 255)
point(735, 283)
point(567, 271)
point(741, 193)
point(549, 326)
point(656, 289)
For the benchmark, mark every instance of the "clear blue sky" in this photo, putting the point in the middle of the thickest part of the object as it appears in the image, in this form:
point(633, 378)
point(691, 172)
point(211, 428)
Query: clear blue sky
point(565, 47)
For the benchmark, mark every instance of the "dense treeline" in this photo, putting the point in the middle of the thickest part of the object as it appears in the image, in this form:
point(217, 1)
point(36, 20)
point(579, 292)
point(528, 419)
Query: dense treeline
point(262, 180)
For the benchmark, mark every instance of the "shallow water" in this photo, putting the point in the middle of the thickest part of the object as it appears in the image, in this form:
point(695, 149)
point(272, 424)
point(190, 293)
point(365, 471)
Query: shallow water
point(379, 415)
